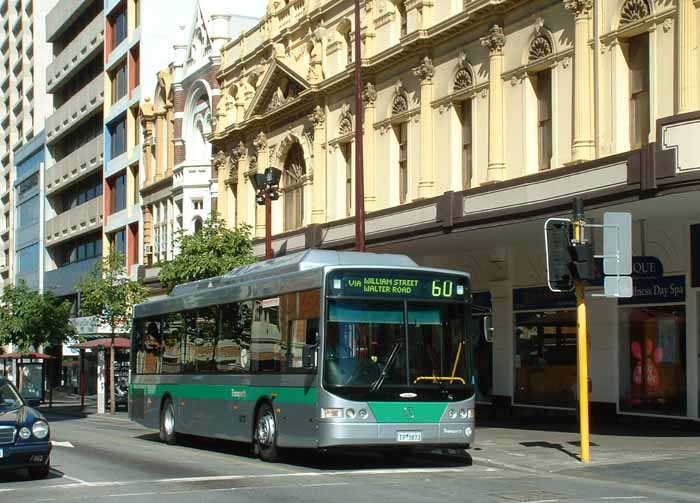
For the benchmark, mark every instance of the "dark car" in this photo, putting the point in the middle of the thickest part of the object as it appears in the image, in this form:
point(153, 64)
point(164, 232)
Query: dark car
point(24, 434)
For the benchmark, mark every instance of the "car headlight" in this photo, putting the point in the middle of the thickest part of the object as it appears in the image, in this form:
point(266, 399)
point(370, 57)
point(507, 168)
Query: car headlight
point(24, 433)
point(40, 429)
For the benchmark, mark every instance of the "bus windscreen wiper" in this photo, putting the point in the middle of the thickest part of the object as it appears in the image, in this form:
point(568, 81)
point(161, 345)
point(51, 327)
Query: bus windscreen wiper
point(380, 380)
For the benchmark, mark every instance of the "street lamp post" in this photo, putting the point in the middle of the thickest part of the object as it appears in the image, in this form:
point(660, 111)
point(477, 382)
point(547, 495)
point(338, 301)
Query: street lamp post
point(359, 139)
point(266, 187)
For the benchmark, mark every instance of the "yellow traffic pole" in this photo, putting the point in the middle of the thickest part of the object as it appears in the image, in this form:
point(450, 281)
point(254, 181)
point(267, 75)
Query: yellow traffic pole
point(582, 341)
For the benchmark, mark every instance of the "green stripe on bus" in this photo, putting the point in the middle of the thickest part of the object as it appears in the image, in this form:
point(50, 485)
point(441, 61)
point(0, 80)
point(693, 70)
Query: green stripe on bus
point(415, 412)
point(230, 392)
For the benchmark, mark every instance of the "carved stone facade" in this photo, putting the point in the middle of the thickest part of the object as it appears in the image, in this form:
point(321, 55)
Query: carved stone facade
point(292, 80)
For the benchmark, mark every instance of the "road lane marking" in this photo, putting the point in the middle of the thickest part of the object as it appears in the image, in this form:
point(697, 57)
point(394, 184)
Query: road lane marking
point(623, 498)
point(63, 475)
point(390, 471)
point(129, 494)
point(62, 444)
point(329, 484)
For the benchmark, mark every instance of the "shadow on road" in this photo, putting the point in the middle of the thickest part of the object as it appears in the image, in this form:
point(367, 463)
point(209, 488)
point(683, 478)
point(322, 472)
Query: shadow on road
point(22, 475)
point(335, 460)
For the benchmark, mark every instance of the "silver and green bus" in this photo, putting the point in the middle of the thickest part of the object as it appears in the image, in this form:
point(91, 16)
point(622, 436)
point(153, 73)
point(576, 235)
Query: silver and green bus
point(319, 349)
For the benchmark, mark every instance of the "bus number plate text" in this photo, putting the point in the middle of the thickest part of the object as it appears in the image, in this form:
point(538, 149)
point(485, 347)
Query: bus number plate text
point(409, 436)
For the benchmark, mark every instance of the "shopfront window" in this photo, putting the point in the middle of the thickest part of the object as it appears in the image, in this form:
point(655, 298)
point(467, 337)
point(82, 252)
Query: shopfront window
point(545, 358)
point(652, 360)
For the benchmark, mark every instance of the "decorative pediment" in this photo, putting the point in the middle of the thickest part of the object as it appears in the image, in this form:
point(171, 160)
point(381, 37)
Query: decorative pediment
point(280, 85)
point(634, 10)
point(345, 123)
point(199, 41)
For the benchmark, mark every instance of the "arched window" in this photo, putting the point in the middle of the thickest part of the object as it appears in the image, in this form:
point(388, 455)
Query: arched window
point(293, 180)
point(197, 146)
point(197, 224)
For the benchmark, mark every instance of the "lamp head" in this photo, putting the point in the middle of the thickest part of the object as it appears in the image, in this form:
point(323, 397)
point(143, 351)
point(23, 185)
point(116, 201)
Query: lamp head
point(272, 176)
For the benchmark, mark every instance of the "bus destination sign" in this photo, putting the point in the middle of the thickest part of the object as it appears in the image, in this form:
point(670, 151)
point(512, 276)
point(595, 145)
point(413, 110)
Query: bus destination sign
point(397, 284)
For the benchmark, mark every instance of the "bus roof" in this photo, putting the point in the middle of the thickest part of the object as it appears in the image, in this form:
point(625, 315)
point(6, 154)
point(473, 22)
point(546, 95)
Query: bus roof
point(302, 261)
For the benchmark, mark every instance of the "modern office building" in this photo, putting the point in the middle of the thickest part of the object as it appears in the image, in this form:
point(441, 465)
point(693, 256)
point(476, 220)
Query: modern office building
point(23, 103)
point(74, 205)
point(28, 213)
point(123, 42)
point(481, 120)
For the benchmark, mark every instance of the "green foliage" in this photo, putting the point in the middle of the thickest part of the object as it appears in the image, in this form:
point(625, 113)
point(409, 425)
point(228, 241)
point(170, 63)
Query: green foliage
point(213, 251)
point(108, 294)
point(30, 319)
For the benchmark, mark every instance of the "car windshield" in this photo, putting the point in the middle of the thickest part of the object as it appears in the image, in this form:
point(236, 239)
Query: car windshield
point(9, 398)
point(375, 349)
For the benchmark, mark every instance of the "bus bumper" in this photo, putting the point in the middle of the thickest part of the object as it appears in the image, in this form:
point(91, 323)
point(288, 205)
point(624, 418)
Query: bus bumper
point(453, 434)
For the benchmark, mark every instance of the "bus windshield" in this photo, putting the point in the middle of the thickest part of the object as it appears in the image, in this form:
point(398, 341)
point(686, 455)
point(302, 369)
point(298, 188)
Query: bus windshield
point(378, 350)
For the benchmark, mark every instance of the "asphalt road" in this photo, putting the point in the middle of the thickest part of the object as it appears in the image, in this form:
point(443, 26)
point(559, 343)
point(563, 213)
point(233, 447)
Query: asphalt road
point(105, 459)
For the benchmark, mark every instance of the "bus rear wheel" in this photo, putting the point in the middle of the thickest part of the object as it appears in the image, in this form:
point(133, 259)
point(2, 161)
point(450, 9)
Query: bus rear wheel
point(167, 422)
point(266, 434)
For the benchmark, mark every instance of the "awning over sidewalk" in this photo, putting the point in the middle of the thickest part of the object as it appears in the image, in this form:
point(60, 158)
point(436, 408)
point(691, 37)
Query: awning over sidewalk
point(119, 343)
point(18, 356)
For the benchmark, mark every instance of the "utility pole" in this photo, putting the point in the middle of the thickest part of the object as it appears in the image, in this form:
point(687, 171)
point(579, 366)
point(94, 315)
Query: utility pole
point(582, 341)
point(359, 138)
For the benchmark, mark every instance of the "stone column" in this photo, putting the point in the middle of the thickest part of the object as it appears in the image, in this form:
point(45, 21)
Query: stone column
point(260, 144)
point(179, 108)
point(170, 161)
point(239, 158)
point(219, 165)
point(318, 194)
point(583, 144)
point(369, 97)
point(426, 181)
point(159, 136)
point(495, 40)
point(689, 41)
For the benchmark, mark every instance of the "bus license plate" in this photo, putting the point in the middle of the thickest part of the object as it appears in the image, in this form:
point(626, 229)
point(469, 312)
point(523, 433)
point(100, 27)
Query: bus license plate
point(409, 436)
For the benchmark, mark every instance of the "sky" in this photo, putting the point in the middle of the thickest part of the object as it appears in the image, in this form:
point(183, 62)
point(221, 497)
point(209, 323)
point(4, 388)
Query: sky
point(163, 19)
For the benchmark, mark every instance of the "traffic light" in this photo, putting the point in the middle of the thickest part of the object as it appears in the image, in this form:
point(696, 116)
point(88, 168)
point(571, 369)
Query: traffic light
point(559, 233)
point(582, 265)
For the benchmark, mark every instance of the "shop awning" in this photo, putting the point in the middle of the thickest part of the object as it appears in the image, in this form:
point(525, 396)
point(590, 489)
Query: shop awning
point(119, 343)
point(17, 356)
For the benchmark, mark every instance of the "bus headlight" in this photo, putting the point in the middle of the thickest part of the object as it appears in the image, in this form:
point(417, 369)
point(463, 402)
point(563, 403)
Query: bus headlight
point(451, 414)
point(349, 413)
point(40, 429)
point(331, 413)
point(363, 414)
point(462, 413)
point(470, 414)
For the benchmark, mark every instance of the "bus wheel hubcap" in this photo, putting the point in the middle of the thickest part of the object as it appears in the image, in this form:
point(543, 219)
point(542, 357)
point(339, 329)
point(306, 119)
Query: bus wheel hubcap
point(266, 430)
point(169, 420)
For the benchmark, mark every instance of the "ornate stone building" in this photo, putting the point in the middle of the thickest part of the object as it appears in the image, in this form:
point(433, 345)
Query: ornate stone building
point(481, 119)
point(179, 187)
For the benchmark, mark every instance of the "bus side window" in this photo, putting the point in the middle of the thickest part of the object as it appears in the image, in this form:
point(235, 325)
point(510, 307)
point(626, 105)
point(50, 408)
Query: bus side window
point(233, 342)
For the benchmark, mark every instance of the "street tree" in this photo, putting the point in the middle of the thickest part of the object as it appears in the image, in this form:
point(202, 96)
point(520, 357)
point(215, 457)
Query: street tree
point(109, 295)
point(30, 320)
point(212, 251)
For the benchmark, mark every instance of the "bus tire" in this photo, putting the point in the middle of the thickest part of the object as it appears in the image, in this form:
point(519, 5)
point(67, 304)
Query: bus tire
point(167, 422)
point(266, 433)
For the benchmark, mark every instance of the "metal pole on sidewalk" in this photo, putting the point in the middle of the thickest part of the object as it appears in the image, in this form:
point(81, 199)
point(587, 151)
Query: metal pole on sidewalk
point(582, 342)
point(359, 138)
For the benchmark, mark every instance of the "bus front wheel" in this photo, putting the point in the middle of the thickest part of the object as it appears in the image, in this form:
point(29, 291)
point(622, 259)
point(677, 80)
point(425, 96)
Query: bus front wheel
point(266, 433)
point(167, 422)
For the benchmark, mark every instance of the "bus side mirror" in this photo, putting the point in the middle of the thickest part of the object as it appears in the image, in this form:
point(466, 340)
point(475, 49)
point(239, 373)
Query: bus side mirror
point(488, 328)
point(309, 356)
